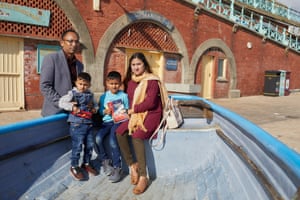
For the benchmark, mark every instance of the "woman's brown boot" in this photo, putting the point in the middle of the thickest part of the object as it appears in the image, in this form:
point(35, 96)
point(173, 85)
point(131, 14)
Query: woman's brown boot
point(141, 186)
point(134, 173)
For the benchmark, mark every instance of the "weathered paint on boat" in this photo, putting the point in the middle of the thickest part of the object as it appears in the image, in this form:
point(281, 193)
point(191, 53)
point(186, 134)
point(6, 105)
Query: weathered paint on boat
point(223, 157)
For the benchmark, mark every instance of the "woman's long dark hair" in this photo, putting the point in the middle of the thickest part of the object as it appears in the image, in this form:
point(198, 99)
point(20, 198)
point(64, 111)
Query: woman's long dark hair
point(141, 57)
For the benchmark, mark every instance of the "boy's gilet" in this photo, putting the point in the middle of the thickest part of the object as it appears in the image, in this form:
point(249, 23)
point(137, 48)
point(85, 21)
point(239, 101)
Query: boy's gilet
point(83, 99)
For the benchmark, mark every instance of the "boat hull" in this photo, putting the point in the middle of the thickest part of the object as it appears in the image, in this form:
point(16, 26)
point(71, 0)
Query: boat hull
point(222, 156)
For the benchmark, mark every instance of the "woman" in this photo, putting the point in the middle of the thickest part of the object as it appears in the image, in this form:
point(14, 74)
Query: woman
point(147, 97)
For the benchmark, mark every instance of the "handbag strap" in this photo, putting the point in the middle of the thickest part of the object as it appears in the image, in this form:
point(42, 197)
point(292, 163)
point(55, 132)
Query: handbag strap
point(162, 125)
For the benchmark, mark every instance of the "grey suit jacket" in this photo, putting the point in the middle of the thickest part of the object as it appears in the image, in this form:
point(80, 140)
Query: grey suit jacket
point(55, 81)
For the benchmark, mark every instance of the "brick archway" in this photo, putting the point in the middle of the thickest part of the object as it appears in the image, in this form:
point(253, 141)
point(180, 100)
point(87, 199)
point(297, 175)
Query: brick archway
point(113, 31)
point(229, 55)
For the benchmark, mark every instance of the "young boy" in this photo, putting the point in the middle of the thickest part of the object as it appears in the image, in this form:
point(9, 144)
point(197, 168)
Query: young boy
point(112, 95)
point(80, 102)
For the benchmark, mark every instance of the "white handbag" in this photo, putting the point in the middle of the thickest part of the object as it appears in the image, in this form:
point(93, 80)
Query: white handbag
point(173, 115)
point(172, 118)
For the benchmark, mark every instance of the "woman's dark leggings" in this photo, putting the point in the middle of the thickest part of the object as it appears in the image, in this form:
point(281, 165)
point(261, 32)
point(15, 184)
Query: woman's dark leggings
point(139, 150)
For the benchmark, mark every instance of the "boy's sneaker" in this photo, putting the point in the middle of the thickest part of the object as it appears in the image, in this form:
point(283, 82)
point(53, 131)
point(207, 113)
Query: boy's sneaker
point(90, 169)
point(116, 175)
point(76, 172)
point(107, 168)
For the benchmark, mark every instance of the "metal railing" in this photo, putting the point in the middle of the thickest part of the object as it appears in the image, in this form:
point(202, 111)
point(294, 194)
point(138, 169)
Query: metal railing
point(274, 8)
point(280, 32)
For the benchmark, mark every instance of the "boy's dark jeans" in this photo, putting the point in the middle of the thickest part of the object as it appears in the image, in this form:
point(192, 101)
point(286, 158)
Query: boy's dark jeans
point(108, 129)
point(81, 135)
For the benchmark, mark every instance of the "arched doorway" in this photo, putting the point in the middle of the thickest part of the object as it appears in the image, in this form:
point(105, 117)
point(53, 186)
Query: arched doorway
point(215, 69)
point(107, 48)
point(146, 37)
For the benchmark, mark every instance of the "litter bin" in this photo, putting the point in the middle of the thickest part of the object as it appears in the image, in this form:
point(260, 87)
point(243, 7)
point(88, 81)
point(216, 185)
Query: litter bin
point(277, 83)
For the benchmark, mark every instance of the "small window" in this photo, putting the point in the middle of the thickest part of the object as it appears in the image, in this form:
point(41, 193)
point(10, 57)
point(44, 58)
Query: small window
point(221, 69)
point(43, 50)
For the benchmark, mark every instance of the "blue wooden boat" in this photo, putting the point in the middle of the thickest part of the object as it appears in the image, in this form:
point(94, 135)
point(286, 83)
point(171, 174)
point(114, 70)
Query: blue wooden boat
point(216, 154)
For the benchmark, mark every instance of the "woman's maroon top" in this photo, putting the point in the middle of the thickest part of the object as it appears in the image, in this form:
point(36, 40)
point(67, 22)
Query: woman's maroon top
point(152, 104)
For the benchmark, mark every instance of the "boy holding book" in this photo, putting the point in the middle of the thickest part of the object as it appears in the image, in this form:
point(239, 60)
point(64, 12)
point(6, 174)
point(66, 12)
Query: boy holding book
point(80, 103)
point(113, 107)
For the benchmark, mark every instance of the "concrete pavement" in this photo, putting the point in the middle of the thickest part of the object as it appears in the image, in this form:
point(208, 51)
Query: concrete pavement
point(279, 116)
point(18, 116)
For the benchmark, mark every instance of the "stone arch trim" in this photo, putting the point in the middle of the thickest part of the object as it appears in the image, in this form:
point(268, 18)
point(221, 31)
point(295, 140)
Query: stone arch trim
point(121, 23)
point(79, 25)
point(229, 55)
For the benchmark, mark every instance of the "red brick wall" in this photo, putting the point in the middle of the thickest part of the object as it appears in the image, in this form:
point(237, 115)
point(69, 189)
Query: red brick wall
point(33, 97)
point(99, 22)
point(172, 76)
point(251, 63)
point(115, 63)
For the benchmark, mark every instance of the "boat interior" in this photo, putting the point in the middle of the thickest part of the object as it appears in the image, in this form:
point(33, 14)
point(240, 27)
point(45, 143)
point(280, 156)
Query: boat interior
point(215, 154)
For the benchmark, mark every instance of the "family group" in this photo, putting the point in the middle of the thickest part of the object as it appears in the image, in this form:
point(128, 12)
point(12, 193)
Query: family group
point(131, 109)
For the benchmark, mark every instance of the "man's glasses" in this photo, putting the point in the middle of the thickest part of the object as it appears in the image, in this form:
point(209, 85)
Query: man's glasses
point(72, 41)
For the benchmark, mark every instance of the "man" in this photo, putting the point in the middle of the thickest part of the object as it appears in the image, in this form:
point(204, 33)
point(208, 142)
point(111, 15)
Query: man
point(59, 72)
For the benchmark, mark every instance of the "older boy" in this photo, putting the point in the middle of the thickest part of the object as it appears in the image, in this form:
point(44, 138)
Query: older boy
point(113, 96)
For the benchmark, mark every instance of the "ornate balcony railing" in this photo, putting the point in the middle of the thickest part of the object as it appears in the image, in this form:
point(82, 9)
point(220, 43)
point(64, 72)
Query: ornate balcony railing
point(281, 32)
point(274, 8)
